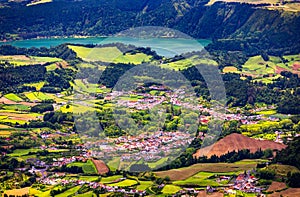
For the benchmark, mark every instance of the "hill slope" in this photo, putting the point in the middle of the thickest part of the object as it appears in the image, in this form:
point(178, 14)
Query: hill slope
point(237, 142)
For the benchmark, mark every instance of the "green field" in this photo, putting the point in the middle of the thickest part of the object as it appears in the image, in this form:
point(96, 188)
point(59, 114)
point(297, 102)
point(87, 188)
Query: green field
point(251, 161)
point(88, 178)
point(20, 60)
point(16, 107)
point(12, 116)
point(114, 164)
point(108, 54)
point(110, 179)
point(13, 97)
point(89, 87)
point(104, 54)
point(88, 167)
point(188, 62)
point(199, 179)
point(170, 189)
point(71, 191)
point(158, 163)
point(76, 108)
point(137, 58)
point(88, 194)
point(256, 128)
point(266, 136)
point(257, 67)
point(182, 174)
point(282, 169)
point(36, 96)
point(144, 185)
point(125, 183)
point(22, 152)
point(38, 85)
point(266, 112)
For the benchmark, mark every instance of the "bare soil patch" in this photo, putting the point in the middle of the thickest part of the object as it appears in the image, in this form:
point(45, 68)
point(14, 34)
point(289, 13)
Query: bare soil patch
point(287, 193)
point(235, 142)
point(100, 166)
point(275, 186)
point(9, 102)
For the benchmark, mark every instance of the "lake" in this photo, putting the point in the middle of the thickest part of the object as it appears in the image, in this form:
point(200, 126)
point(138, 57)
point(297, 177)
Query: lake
point(163, 46)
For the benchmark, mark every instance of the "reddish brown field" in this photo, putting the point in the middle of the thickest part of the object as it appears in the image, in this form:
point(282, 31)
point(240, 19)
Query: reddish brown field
point(296, 66)
point(100, 166)
point(9, 102)
point(204, 194)
point(291, 192)
point(276, 186)
point(279, 70)
point(237, 142)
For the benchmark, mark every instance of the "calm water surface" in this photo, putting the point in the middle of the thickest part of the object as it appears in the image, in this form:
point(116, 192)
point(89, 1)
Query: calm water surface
point(163, 46)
